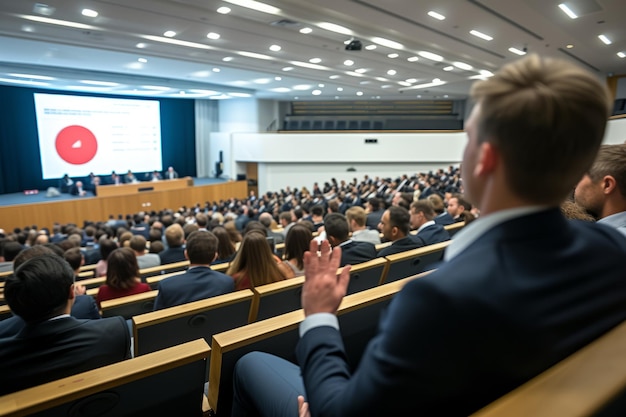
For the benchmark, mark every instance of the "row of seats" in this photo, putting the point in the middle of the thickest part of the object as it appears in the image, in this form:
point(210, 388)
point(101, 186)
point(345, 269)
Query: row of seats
point(334, 125)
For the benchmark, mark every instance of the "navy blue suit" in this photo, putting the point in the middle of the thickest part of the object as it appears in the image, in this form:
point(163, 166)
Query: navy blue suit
point(197, 283)
point(355, 252)
point(435, 233)
point(172, 255)
point(373, 219)
point(525, 295)
point(401, 245)
point(444, 219)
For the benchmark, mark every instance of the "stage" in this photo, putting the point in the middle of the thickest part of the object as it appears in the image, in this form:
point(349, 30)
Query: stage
point(19, 209)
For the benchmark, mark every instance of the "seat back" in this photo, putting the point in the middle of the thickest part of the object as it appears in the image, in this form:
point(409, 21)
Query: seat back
point(129, 306)
point(204, 318)
point(367, 275)
point(168, 382)
point(153, 281)
point(415, 261)
point(277, 298)
point(454, 228)
point(163, 269)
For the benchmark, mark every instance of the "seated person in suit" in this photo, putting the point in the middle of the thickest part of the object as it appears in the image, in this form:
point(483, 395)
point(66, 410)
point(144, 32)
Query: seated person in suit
point(122, 277)
point(200, 281)
point(352, 252)
point(115, 179)
point(175, 238)
point(520, 288)
point(422, 219)
point(144, 260)
point(78, 189)
point(442, 216)
point(374, 213)
point(65, 184)
point(130, 178)
point(357, 217)
point(317, 216)
point(154, 176)
point(395, 227)
point(457, 205)
point(170, 174)
point(53, 344)
point(602, 191)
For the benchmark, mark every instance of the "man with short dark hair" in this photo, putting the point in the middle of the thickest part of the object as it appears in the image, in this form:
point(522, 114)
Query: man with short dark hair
point(317, 216)
point(144, 260)
point(200, 281)
point(53, 344)
point(456, 206)
point(422, 219)
point(337, 233)
point(395, 227)
point(374, 213)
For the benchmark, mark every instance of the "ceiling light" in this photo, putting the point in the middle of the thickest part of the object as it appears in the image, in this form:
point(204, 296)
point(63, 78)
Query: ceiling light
point(141, 45)
point(359, 93)
point(213, 35)
point(58, 22)
point(339, 88)
point(335, 28)
point(569, 46)
point(142, 60)
point(411, 80)
point(278, 78)
point(227, 58)
point(463, 66)
point(28, 28)
point(621, 54)
point(255, 5)
point(388, 43)
point(220, 97)
point(569, 12)
point(216, 69)
point(254, 55)
point(315, 60)
point(386, 86)
point(275, 48)
point(391, 72)
point(204, 92)
point(360, 70)
point(436, 82)
point(155, 87)
point(336, 97)
point(287, 69)
point(169, 34)
point(412, 59)
point(240, 94)
point(308, 65)
point(302, 87)
point(404, 83)
point(486, 73)
point(448, 68)
point(364, 82)
point(430, 55)
point(517, 51)
point(481, 35)
point(177, 42)
point(281, 90)
point(321, 85)
point(43, 9)
point(316, 92)
point(306, 31)
point(85, 87)
point(89, 13)
point(392, 56)
point(262, 81)
point(436, 15)
point(33, 77)
point(27, 82)
point(348, 62)
point(100, 83)
point(382, 79)
point(334, 77)
point(223, 10)
point(370, 47)
point(182, 93)
point(604, 39)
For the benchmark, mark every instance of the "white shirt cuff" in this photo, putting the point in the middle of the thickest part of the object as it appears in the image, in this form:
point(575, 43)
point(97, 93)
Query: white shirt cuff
point(318, 320)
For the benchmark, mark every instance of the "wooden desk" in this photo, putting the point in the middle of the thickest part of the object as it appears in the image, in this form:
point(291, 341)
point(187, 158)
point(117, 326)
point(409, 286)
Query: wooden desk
point(135, 188)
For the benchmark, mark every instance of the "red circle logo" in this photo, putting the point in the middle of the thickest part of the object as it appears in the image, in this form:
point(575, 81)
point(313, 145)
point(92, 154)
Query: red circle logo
point(76, 145)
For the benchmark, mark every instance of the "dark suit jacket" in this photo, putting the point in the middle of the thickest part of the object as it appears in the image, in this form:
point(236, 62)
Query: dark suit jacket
point(525, 295)
point(172, 255)
point(444, 219)
point(435, 233)
point(355, 252)
point(58, 348)
point(401, 245)
point(197, 283)
point(373, 219)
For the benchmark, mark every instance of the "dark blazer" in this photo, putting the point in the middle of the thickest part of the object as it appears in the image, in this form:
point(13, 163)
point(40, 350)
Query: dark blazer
point(355, 252)
point(197, 283)
point(525, 295)
point(435, 233)
point(373, 219)
point(401, 245)
point(444, 219)
point(58, 348)
point(172, 255)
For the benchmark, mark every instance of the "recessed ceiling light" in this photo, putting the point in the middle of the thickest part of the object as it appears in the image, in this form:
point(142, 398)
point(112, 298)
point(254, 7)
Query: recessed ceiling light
point(436, 15)
point(220, 97)
point(404, 83)
point(223, 10)
point(370, 47)
point(287, 69)
point(315, 60)
point(169, 34)
point(204, 92)
point(448, 68)
point(58, 22)
point(481, 35)
point(296, 98)
point(302, 87)
point(436, 80)
point(177, 42)
point(255, 5)
point(142, 60)
point(32, 76)
point(360, 70)
point(141, 45)
point(339, 88)
point(359, 93)
point(155, 87)
point(321, 85)
point(604, 39)
point(334, 77)
point(216, 69)
point(306, 31)
point(517, 51)
point(354, 74)
point(182, 93)
point(308, 65)
point(281, 89)
point(202, 74)
point(430, 55)
point(335, 28)
point(227, 58)
point(213, 35)
point(387, 43)
point(336, 97)
point(386, 86)
point(419, 96)
point(411, 80)
point(275, 48)
point(316, 92)
point(89, 13)
point(621, 54)
point(382, 79)
point(100, 83)
point(486, 73)
point(569, 12)
point(348, 62)
point(262, 81)
point(569, 46)
point(412, 59)
point(254, 55)
point(463, 66)
point(365, 82)
point(278, 78)
point(391, 72)
point(28, 28)
point(43, 9)
point(392, 56)
point(240, 94)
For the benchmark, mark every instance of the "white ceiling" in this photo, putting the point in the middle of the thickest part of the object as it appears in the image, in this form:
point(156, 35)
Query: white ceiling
point(105, 49)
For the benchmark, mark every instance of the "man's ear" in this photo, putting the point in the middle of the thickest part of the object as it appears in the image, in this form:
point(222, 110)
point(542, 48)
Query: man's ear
point(72, 294)
point(488, 157)
point(608, 184)
point(186, 256)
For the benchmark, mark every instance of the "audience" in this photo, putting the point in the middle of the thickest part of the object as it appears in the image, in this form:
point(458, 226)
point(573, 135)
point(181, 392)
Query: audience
point(296, 243)
point(254, 264)
point(395, 227)
point(144, 260)
point(357, 217)
point(175, 238)
point(225, 248)
point(122, 276)
point(106, 247)
point(352, 252)
point(422, 220)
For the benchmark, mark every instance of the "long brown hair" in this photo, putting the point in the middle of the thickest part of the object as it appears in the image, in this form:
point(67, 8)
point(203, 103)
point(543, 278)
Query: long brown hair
point(297, 242)
point(255, 259)
point(122, 269)
point(225, 247)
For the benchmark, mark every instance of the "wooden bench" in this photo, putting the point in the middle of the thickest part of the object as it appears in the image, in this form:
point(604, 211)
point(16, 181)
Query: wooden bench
point(92, 282)
point(590, 382)
point(154, 280)
point(277, 298)
point(5, 274)
point(129, 306)
point(170, 326)
point(358, 318)
point(167, 382)
point(5, 312)
point(86, 274)
point(91, 267)
point(415, 261)
point(367, 275)
point(454, 228)
point(163, 269)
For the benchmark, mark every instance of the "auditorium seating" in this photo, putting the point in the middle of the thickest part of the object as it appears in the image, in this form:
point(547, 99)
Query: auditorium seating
point(129, 306)
point(276, 298)
point(358, 317)
point(590, 382)
point(163, 269)
point(167, 382)
point(170, 326)
point(5, 312)
point(153, 281)
point(454, 228)
point(366, 275)
point(4, 275)
point(92, 282)
point(415, 261)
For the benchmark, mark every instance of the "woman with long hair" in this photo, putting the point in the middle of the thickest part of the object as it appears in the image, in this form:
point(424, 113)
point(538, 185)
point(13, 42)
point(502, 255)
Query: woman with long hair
point(297, 242)
point(122, 276)
point(225, 247)
point(106, 247)
point(254, 264)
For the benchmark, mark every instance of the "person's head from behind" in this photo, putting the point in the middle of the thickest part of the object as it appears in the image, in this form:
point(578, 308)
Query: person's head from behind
point(255, 259)
point(138, 244)
point(175, 235)
point(337, 228)
point(11, 250)
point(106, 247)
point(74, 257)
point(602, 190)
point(42, 287)
point(536, 128)
point(122, 269)
point(201, 248)
point(298, 241)
point(225, 247)
point(356, 217)
point(421, 212)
